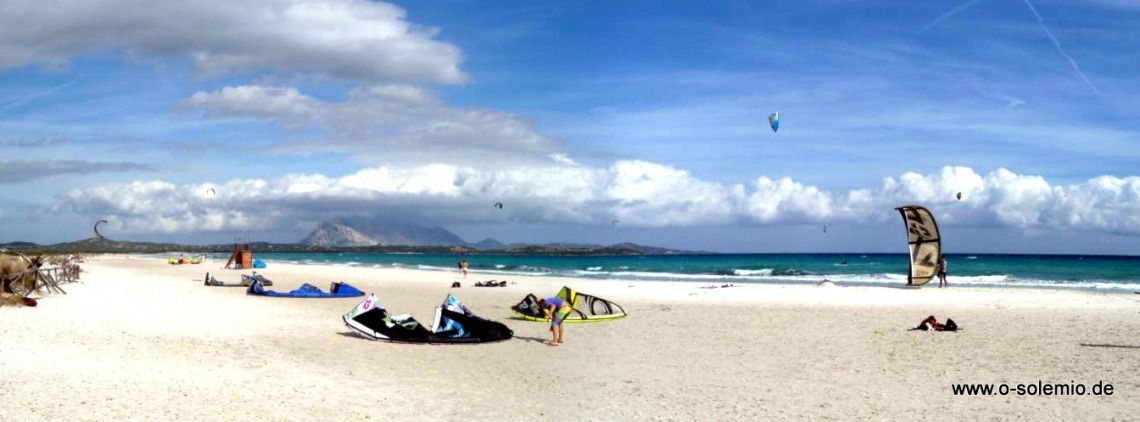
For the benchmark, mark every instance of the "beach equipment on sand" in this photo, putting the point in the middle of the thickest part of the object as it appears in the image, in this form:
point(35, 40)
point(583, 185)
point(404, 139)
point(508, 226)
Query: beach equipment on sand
point(336, 289)
point(925, 243)
point(454, 324)
point(587, 308)
point(20, 276)
point(246, 281)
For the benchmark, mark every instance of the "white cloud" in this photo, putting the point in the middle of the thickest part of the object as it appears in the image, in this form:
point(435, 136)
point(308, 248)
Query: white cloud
point(638, 193)
point(389, 122)
point(353, 40)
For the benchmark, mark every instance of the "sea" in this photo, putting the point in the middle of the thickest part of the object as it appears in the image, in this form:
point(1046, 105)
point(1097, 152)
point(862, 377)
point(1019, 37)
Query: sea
point(1103, 273)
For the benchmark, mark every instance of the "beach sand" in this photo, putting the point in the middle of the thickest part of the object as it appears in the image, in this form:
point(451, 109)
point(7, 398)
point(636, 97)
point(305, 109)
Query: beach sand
point(142, 340)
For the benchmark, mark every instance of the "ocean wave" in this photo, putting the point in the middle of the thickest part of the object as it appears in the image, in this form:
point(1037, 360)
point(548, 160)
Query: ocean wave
point(593, 268)
point(746, 273)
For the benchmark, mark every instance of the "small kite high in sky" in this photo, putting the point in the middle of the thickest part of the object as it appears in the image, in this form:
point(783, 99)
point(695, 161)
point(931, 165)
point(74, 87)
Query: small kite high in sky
point(774, 121)
point(499, 205)
point(97, 223)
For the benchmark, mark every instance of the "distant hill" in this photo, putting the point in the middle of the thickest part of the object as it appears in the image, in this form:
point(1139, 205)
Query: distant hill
point(337, 233)
point(489, 243)
point(15, 246)
point(355, 236)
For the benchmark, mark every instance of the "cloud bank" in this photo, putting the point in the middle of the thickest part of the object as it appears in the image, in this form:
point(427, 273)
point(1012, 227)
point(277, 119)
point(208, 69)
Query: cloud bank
point(25, 170)
point(390, 121)
point(637, 193)
point(349, 40)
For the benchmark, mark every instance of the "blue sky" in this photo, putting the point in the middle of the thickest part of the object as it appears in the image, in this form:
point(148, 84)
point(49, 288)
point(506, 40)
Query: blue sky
point(574, 115)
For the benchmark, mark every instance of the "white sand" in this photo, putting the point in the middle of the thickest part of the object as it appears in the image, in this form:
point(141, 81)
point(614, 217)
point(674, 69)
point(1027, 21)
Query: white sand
point(143, 340)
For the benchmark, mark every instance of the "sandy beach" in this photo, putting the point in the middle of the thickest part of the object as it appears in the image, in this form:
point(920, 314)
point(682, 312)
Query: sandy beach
point(138, 339)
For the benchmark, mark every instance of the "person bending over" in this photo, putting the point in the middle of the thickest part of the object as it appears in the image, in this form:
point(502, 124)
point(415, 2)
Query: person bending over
point(556, 309)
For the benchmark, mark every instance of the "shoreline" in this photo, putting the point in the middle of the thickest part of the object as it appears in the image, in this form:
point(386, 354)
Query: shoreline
point(842, 280)
point(141, 337)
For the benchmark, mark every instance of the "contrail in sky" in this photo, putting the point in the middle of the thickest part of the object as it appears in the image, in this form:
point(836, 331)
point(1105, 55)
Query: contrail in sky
point(1041, 22)
point(948, 14)
point(33, 96)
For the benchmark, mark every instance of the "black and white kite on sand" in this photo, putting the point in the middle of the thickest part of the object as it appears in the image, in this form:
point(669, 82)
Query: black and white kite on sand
point(587, 308)
point(454, 324)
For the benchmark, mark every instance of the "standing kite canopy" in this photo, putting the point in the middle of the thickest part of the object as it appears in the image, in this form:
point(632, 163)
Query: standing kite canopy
point(774, 121)
point(97, 223)
point(925, 243)
point(587, 308)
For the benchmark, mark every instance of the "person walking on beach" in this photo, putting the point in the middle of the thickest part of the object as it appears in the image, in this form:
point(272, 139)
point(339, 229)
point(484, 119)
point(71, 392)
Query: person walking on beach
point(942, 272)
point(463, 268)
point(556, 309)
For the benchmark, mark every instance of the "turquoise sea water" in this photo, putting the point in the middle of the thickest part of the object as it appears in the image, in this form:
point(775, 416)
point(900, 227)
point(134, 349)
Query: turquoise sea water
point(1109, 273)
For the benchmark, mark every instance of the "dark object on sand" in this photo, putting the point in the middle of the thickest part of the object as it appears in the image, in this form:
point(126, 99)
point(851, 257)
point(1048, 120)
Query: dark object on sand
point(931, 324)
point(453, 324)
point(456, 284)
point(491, 283)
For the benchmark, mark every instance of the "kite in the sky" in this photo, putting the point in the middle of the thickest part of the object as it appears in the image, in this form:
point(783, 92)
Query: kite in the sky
point(774, 121)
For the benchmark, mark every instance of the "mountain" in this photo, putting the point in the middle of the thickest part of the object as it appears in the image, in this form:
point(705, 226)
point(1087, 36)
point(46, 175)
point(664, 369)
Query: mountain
point(15, 246)
point(489, 243)
point(343, 233)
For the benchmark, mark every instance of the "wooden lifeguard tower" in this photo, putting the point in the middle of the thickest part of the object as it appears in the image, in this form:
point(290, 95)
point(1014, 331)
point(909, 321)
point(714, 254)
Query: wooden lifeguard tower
point(242, 256)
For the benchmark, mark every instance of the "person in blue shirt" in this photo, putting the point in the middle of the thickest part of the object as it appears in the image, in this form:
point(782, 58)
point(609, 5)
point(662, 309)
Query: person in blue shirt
point(556, 309)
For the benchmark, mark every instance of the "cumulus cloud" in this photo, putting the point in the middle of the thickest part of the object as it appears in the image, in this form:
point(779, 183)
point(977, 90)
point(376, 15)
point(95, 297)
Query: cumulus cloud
point(25, 170)
point(353, 40)
point(387, 121)
point(638, 193)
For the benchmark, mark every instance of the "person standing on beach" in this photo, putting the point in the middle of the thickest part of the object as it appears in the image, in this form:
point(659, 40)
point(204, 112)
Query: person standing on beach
point(942, 272)
point(556, 309)
point(463, 268)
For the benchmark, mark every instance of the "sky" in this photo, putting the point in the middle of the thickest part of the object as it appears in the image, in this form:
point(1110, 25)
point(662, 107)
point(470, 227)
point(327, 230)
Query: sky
point(600, 122)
